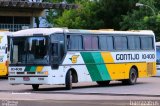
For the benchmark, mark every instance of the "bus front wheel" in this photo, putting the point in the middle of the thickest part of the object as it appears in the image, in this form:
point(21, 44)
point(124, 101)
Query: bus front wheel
point(68, 81)
point(35, 87)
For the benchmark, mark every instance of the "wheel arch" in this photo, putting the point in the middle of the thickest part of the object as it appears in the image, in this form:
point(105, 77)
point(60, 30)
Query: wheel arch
point(74, 75)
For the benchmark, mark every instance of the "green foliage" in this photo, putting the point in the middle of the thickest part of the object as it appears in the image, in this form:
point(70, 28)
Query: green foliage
point(92, 14)
point(108, 14)
point(143, 18)
point(112, 11)
point(85, 17)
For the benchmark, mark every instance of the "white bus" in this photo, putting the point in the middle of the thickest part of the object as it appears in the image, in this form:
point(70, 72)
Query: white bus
point(4, 59)
point(158, 57)
point(65, 56)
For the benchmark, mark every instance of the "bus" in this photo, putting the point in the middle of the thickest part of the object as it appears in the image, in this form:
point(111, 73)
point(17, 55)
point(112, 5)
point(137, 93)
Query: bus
point(4, 59)
point(65, 56)
point(158, 57)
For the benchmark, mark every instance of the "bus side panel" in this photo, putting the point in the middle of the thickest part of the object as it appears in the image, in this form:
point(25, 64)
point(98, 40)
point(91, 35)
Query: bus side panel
point(3, 69)
point(121, 71)
point(142, 69)
point(88, 65)
point(95, 64)
point(119, 67)
point(102, 66)
point(3, 54)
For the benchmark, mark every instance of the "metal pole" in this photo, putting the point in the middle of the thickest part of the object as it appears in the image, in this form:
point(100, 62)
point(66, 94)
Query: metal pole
point(141, 5)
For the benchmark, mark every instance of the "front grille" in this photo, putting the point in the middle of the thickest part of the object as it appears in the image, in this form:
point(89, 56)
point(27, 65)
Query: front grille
point(26, 73)
point(30, 72)
point(20, 72)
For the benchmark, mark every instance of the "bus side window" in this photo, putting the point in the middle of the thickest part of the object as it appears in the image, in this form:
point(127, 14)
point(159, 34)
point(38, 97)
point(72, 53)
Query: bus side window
point(120, 42)
point(74, 42)
point(106, 42)
point(133, 42)
point(147, 43)
point(90, 42)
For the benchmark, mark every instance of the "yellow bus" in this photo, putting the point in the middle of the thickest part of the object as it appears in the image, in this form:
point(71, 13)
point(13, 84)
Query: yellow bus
point(65, 56)
point(4, 56)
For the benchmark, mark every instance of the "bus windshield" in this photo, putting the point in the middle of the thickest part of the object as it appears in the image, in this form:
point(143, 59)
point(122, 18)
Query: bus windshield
point(29, 50)
point(158, 54)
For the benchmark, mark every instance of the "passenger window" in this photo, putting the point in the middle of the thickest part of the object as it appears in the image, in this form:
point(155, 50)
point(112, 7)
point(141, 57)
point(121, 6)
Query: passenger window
point(133, 42)
point(90, 42)
point(75, 42)
point(106, 42)
point(120, 43)
point(147, 43)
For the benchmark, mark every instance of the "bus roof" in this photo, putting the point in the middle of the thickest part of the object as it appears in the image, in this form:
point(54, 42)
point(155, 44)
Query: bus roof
point(5, 33)
point(157, 43)
point(48, 31)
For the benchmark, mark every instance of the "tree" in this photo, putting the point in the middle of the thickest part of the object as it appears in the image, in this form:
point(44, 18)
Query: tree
point(142, 18)
point(85, 17)
point(111, 11)
point(93, 14)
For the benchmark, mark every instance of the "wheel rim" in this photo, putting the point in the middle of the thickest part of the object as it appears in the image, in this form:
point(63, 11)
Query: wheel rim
point(133, 77)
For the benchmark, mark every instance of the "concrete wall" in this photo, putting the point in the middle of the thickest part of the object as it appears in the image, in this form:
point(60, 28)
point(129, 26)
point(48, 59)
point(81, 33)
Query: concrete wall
point(21, 12)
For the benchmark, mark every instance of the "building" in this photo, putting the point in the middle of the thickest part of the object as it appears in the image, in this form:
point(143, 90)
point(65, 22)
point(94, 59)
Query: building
point(19, 14)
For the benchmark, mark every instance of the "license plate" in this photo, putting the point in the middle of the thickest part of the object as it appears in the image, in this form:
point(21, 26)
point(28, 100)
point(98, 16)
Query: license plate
point(26, 78)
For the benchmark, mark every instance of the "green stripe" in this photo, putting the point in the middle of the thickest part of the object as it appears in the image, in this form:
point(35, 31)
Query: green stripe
point(30, 68)
point(92, 68)
point(27, 68)
point(33, 69)
point(101, 67)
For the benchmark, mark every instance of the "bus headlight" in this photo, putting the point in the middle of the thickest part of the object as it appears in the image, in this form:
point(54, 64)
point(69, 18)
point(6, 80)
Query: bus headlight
point(46, 73)
point(42, 73)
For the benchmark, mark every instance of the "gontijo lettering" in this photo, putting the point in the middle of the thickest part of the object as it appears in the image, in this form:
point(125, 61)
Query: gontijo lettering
point(134, 56)
point(127, 57)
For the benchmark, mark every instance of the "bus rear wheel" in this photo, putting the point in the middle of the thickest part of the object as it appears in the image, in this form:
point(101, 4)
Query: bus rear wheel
point(133, 75)
point(103, 83)
point(35, 87)
point(68, 81)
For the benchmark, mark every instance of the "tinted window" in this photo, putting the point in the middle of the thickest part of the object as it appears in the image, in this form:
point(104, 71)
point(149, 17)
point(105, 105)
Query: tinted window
point(57, 37)
point(158, 54)
point(106, 42)
point(90, 42)
point(75, 42)
point(120, 43)
point(146, 43)
point(87, 42)
point(94, 43)
point(133, 42)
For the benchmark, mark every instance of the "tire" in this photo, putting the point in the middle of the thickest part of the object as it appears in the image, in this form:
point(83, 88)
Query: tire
point(35, 87)
point(68, 81)
point(103, 83)
point(132, 77)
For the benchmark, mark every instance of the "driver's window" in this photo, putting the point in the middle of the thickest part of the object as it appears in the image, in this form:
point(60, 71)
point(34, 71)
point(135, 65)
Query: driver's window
point(15, 55)
point(57, 41)
point(55, 49)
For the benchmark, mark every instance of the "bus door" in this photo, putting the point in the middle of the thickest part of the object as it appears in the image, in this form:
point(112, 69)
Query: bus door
point(57, 50)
